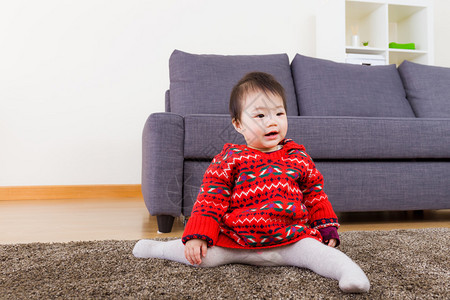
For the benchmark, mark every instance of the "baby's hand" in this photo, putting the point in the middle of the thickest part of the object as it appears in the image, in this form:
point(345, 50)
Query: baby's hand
point(194, 250)
point(331, 242)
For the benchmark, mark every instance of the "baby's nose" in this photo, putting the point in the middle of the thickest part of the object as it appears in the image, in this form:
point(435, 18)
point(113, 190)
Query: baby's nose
point(271, 120)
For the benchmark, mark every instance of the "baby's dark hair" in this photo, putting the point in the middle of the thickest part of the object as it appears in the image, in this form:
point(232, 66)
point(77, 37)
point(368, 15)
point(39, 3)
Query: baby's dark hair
point(253, 82)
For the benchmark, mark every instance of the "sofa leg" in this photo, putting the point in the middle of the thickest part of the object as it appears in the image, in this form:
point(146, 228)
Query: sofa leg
point(418, 214)
point(165, 223)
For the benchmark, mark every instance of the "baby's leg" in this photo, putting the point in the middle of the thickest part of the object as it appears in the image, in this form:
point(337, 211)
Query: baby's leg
point(174, 250)
point(215, 256)
point(171, 250)
point(328, 262)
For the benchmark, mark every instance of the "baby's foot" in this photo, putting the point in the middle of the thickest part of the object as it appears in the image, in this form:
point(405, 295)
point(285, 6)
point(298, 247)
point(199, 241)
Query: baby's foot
point(354, 283)
point(148, 249)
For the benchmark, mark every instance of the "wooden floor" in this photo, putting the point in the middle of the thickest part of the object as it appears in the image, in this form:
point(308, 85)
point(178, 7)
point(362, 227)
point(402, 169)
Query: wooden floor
point(25, 221)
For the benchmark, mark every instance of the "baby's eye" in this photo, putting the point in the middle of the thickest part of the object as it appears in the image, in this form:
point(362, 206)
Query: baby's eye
point(260, 116)
point(280, 114)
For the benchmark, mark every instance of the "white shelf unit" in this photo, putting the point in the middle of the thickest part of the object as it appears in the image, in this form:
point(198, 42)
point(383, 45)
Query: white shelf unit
point(382, 22)
point(364, 50)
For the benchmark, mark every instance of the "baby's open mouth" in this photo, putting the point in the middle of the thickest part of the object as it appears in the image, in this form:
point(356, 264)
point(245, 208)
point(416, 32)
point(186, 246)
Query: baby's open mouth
point(272, 133)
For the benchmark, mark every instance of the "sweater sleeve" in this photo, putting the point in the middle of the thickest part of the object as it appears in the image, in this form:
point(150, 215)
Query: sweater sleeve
point(212, 201)
point(328, 233)
point(316, 201)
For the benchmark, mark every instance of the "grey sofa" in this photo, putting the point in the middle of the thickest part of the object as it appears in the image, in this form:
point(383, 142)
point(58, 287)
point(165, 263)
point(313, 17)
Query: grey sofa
point(380, 135)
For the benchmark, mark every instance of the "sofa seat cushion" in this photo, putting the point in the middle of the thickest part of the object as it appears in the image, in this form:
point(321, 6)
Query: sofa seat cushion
point(205, 135)
point(427, 89)
point(393, 185)
point(333, 138)
point(201, 84)
point(372, 138)
point(327, 88)
point(386, 185)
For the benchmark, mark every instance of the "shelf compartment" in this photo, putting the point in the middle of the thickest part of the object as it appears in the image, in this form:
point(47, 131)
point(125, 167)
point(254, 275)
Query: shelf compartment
point(369, 19)
point(408, 24)
point(397, 56)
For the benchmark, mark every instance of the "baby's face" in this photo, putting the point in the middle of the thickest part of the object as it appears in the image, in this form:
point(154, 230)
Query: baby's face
point(263, 121)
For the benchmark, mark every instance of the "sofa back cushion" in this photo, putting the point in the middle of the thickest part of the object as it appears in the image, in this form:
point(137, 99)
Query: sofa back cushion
point(326, 88)
point(201, 84)
point(427, 89)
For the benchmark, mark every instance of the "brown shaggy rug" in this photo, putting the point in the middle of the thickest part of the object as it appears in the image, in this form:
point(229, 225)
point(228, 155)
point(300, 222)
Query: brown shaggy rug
point(401, 264)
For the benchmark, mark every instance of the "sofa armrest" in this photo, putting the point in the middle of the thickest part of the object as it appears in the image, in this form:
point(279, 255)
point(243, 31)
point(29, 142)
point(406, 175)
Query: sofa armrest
point(162, 163)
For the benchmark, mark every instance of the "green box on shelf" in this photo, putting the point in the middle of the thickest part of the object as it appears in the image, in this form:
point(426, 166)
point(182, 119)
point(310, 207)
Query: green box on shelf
point(408, 46)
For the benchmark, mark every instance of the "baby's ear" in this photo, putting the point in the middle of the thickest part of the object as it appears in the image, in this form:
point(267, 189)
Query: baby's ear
point(237, 125)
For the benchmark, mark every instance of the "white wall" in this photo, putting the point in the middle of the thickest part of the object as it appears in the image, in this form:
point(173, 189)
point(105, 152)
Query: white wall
point(79, 78)
point(441, 33)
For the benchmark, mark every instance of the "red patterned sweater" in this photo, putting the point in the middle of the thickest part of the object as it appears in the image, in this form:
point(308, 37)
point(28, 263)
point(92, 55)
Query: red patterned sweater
point(250, 199)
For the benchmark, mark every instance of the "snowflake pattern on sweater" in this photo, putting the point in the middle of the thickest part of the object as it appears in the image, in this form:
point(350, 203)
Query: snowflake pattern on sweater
point(250, 199)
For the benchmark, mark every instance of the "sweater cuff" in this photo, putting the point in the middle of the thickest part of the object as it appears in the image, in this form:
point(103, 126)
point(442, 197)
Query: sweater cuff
point(201, 227)
point(326, 222)
point(330, 233)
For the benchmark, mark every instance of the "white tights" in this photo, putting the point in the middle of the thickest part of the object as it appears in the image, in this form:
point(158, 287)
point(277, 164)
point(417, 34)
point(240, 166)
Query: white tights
point(306, 253)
